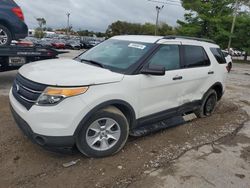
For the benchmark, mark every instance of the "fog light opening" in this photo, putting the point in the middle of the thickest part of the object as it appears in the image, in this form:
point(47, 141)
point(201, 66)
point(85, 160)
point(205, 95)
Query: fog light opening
point(40, 140)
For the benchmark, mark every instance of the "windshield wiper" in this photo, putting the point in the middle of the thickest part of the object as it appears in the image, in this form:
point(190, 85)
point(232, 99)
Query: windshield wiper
point(93, 62)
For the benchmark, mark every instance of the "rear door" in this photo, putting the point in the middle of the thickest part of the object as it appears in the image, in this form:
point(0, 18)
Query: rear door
point(197, 72)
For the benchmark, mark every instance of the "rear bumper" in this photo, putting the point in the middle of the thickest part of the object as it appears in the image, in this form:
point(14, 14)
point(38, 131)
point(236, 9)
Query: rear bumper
point(52, 143)
point(20, 36)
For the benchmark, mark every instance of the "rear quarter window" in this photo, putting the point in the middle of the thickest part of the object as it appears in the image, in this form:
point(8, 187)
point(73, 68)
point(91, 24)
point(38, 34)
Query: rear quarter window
point(195, 56)
point(218, 55)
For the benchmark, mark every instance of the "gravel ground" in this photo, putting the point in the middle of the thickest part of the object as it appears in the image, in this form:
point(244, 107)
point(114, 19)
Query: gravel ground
point(224, 162)
point(23, 164)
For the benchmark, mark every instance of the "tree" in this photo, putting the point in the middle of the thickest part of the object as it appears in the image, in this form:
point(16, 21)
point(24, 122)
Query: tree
point(48, 29)
point(241, 36)
point(204, 17)
point(245, 2)
point(39, 32)
point(164, 29)
point(126, 28)
point(41, 22)
point(123, 28)
point(83, 33)
point(148, 29)
point(209, 19)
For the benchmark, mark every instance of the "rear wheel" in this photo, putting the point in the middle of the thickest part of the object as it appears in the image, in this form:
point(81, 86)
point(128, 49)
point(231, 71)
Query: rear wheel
point(208, 104)
point(104, 134)
point(5, 36)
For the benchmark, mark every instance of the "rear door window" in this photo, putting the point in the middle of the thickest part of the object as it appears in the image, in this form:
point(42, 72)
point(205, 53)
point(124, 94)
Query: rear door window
point(194, 56)
point(218, 55)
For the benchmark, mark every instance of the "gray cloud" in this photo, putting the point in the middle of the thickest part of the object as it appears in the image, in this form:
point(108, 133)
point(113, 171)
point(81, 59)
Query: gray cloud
point(96, 14)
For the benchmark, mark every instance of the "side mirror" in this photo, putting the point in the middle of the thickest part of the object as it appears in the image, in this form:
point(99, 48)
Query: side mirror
point(156, 70)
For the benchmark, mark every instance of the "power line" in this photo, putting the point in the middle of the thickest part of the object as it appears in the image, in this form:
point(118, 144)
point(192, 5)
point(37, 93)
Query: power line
point(173, 1)
point(168, 2)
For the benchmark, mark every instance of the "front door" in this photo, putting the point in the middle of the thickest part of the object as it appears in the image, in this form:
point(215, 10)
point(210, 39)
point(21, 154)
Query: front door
point(159, 93)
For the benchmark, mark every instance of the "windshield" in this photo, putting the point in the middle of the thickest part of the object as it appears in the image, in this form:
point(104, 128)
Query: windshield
point(116, 54)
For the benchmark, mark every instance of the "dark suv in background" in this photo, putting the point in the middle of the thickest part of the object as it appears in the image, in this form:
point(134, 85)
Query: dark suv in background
point(12, 26)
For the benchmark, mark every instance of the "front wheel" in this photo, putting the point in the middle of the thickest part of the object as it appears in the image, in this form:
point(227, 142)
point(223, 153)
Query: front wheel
point(208, 104)
point(104, 134)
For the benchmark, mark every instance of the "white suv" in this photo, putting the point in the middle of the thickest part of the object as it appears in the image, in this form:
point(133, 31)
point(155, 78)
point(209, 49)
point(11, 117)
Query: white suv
point(123, 85)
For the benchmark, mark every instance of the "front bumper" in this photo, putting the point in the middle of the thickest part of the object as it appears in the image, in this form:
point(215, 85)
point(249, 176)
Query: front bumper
point(53, 121)
point(54, 143)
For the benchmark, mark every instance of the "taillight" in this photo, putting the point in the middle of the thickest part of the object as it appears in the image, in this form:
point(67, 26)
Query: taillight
point(49, 53)
point(18, 12)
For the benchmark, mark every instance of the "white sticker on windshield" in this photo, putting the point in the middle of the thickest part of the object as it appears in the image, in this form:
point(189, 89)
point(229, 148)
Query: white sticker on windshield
point(139, 46)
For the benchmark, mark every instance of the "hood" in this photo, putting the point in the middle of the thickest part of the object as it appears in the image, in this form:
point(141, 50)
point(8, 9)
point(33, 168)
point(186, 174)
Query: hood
point(67, 72)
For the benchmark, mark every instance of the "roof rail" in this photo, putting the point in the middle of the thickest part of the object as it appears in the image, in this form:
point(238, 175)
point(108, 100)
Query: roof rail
point(186, 37)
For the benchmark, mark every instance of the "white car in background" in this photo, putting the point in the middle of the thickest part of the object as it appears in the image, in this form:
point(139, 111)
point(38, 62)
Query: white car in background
point(234, 52)
point(227, 56)
point(229, 59)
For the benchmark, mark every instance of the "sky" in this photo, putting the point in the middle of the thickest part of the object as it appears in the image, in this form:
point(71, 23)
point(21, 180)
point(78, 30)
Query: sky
point(96, 15)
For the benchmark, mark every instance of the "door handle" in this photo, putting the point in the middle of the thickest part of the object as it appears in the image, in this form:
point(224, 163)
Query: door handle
point(177, 78)
point(211, 72)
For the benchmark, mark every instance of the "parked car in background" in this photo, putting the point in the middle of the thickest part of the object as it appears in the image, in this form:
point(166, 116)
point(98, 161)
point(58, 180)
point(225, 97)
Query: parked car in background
point(238, 53)
point(227, 56)
point(117, 88)
point(44, 42)
point(94, 42)
point(89, 44)
point(235, 52)
point(12, 26)
point(25, 43)
point(85, 45)
point(73, 44)
point(229, 60)
point(58, 45)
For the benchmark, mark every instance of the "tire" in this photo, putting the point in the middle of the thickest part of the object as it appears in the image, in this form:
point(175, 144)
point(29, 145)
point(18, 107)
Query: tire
point(94, 138)
point(208, 104)
point(5, 36)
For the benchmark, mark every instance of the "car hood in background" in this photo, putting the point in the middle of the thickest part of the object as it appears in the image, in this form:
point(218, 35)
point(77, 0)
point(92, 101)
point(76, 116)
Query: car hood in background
point(67, 72)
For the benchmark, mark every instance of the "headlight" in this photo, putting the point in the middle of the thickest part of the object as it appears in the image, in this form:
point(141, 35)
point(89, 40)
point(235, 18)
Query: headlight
point(54, 95)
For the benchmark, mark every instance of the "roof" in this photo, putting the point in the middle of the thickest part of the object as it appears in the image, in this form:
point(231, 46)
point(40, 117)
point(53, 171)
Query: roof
point(161, 39)
point(138, 38)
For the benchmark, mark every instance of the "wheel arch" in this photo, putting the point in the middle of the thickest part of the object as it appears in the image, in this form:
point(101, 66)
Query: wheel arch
point(7, 25)
point(123, 106)
point(218, 87)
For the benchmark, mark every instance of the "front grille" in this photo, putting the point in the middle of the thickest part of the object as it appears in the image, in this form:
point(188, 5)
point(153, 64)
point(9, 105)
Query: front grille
point(26, 92)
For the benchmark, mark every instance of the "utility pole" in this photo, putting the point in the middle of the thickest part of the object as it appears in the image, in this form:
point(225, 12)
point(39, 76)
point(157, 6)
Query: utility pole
point(233, 24)
point(158, 9)
point(68, 15)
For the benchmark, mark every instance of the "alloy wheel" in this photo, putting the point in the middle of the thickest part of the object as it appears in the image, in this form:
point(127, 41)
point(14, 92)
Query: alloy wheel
point(103, 134)
point(3, 37)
